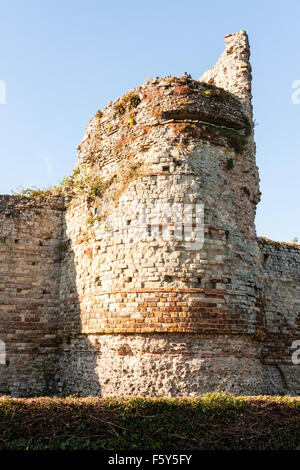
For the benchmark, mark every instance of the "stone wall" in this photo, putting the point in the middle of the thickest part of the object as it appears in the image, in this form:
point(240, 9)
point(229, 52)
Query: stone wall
point(165, 364)
point(146, 276)
point(281, 268)
point(171, 143)
point(160, 284)
point(30, 232)
point(152, 316)
point(233, 70)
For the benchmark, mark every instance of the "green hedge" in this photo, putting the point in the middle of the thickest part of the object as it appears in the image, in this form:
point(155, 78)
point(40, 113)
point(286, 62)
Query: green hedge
point(212, 421)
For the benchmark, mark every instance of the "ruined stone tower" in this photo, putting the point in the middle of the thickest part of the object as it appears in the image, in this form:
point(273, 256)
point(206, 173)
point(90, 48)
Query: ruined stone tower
point(145, 276)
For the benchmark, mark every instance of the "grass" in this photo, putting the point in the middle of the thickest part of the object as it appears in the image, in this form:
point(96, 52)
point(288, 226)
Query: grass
point(79, 183)
point(35, 193)
point(124, 178)
point(212, 421)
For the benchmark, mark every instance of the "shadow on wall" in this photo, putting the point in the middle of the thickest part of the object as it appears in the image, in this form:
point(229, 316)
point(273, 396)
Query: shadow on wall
point(77, 357)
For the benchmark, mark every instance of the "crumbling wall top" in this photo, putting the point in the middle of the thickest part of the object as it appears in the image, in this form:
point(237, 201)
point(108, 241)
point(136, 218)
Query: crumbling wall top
point(233, 69)
point(140, 117)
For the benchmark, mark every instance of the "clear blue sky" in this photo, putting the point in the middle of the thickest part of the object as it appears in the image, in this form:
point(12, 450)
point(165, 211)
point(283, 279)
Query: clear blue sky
point(63, 60)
